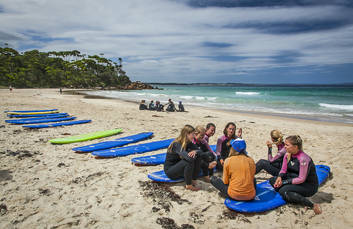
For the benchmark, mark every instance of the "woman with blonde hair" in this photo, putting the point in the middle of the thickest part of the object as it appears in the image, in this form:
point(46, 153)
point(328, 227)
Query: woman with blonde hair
point(208, 159)
point(274, 164)
point(297, 178)
point(182, 159)
point(238, 174)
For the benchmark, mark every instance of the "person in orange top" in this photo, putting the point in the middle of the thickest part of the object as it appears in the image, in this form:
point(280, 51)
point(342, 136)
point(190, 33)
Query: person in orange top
point(238, 174)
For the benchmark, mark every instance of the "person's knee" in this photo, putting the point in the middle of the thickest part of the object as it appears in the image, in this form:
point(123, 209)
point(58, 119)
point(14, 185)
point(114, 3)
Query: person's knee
point(261, 161)
point(213, 180)
point(272, 181)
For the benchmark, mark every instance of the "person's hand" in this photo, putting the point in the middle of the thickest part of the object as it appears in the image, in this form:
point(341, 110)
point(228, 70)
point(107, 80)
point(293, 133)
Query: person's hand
point(240, 132)
point(222, 161)
point(192, 154)
point(269, 144)
point(278, 182)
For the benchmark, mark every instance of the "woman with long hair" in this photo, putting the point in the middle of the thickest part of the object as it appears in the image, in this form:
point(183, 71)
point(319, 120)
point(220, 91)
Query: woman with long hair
point(208, 159)
point(223, 142)
point(182, 159)
point(274, 164)
point(297, 178)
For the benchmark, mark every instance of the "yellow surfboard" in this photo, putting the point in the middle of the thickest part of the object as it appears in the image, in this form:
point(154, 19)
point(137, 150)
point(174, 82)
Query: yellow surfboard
point(31, 113)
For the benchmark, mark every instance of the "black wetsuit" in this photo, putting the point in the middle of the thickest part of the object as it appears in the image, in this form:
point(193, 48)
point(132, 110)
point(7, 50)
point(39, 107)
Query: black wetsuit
point(143, 106)
point(170, 107)
point(178, 164)
point(299, 179)
point(206, 157)
point(151, 106)
point(272, 165)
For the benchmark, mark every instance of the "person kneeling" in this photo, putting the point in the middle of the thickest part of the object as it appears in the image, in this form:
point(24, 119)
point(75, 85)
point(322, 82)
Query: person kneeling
point(238, 174)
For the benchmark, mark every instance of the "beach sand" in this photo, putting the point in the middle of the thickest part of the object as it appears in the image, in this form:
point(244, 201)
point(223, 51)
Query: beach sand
point(50, 186)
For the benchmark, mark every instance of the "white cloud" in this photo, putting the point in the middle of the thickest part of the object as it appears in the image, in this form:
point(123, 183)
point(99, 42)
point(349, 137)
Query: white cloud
point(159, 38)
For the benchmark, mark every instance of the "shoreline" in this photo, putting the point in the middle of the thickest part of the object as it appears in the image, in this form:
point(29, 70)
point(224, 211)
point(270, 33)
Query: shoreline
point(310, 118)
point(39, 179)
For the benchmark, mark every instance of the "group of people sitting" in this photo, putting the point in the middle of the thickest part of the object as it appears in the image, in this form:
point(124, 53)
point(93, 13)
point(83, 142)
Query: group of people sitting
point(159, 107)
point(293, 171)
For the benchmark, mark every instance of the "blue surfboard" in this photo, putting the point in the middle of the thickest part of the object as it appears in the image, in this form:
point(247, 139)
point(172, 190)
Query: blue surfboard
point(267, 198)
point(35, 115)
point(56, 124)
point(115, 143)
point(156, 159)
point(160, 176)
point(33, 111)
point(43, 120)
point(37, 118)
point(135, 149)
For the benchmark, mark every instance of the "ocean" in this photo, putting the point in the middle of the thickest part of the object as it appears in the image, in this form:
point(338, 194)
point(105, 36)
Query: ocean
point(334, 104)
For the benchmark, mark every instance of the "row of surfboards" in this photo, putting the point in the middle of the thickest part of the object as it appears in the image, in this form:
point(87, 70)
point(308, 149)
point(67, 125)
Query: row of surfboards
point(266, 197)
point(42, 118)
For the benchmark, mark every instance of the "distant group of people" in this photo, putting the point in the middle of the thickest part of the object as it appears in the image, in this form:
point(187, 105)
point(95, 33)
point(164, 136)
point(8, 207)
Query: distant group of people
point(293, 171)
point(159, 107)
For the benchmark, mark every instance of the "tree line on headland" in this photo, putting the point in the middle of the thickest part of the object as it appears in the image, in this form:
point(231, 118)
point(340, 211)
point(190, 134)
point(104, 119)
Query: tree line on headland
point(59, 69)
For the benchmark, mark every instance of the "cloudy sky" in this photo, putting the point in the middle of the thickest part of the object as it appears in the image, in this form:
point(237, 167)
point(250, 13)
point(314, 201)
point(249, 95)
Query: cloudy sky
point(247, 41)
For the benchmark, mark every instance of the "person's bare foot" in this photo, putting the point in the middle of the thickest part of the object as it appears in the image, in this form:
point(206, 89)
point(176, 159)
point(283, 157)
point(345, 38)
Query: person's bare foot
point(192, 188)
point(193, 182)
point(212, 164)
point(317, 209)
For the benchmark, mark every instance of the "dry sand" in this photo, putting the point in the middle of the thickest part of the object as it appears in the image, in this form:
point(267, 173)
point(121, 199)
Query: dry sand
point(50, 186)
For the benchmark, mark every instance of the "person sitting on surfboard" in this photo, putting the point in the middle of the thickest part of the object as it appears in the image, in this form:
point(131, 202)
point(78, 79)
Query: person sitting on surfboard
point(182, 159)
point(297, 178)
point(209, 160)
point(274, 164)
point(238, 174)
point(223, 142)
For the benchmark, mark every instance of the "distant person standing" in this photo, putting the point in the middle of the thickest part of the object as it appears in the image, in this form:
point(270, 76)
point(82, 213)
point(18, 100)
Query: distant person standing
point(10, 88)
point(61, 90)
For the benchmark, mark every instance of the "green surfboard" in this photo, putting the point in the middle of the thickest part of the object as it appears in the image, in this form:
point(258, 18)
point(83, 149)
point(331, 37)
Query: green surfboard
point(85, 137)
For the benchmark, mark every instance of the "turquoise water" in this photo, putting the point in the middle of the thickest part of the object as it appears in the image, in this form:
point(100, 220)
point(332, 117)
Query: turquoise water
point(319, 103)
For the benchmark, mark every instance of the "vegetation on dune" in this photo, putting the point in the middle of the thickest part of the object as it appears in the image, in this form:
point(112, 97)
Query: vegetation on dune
point(59, 69)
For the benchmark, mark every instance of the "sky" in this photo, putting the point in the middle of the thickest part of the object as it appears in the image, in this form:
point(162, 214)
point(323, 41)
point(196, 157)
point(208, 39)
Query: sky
point(194, 41)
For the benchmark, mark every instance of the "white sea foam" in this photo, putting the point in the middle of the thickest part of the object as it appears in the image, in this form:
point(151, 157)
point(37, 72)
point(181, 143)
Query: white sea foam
point(337, 106)
point(187, 97)
point(200, 98)
point(156, 95)
point(211, 98)
point(247, 93)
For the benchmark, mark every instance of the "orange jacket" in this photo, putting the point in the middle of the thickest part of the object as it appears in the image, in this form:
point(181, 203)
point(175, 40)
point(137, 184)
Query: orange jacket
point(239, 173)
